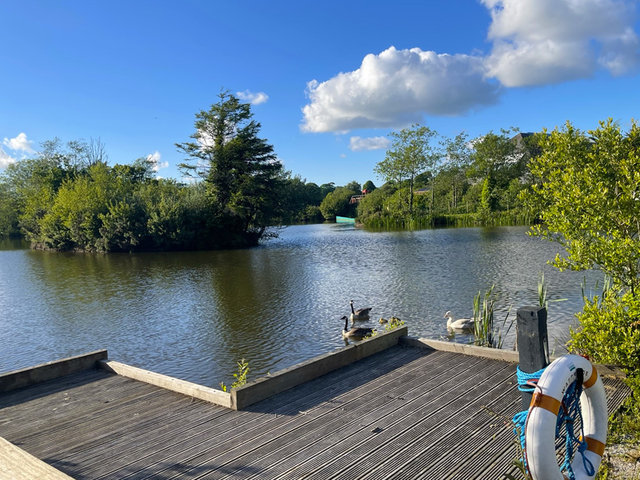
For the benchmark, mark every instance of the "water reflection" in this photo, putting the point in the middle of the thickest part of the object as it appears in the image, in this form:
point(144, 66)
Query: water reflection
point(194, 314)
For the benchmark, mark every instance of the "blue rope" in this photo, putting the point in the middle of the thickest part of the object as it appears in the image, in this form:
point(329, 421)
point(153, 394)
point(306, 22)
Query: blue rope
point(568, 413)
point(526, 379)
point(526, 382)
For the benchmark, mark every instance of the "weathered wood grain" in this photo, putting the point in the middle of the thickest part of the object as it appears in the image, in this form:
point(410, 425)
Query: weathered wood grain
point(405, 412)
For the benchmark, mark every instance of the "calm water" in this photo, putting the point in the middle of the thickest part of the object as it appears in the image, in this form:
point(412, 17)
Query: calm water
point(194, 314)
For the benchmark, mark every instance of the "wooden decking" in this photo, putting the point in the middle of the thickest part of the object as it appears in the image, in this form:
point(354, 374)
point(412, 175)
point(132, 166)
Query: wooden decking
point(403, 413)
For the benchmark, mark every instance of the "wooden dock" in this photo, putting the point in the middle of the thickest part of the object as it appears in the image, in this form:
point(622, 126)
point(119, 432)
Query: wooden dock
point(409, 411)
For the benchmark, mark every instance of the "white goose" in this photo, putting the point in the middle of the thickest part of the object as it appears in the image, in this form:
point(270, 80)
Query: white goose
point(462, 325)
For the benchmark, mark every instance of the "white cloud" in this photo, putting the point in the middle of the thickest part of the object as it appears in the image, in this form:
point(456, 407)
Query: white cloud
point(155, 159)
point(19, 143)
point(253, 98)
point(357, 144)
point(538, 42)
point(534, 42)
point(5, 159)
point(398, 87)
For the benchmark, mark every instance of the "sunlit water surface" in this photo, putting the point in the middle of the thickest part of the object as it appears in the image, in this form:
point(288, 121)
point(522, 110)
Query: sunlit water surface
point(194, 314)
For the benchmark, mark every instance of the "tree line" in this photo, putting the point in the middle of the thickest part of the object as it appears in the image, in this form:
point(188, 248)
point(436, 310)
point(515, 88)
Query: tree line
point(69, 198)
point(430, 180)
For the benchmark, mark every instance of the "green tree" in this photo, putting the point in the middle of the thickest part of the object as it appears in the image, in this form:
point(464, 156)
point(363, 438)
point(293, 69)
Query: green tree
point(241, 171)
point(587, 193)
point(509, 199)
point(457, 158)
point(369, 186)
point(409, 155)
point(34, 184)
point(9, 209)
point(75, 217)
point(337, 203)
point(354, 186)
point(484, 211)
point(326, 188)
point(497, 159)
point(300, 200)
point(372, 205)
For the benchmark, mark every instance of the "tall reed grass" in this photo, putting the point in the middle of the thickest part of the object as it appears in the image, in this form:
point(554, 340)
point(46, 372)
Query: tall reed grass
point(445, 220)
point(486, 333)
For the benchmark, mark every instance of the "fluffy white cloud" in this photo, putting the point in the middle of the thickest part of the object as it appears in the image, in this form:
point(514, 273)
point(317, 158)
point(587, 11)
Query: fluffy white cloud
point(398, 87)
point(253, 98)
point(19, 143)
point(534, 42)
point(538, 42)
point(155, 159)
point(5, 159)
point(357, 144)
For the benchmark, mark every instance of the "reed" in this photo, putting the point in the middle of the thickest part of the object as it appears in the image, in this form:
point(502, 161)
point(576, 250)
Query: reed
point(420, 222)
point(542, 292)
point(486, 333)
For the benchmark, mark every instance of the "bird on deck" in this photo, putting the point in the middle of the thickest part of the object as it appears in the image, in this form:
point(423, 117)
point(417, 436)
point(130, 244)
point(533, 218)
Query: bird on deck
point(360, 314)
point(356, 333)
point(462, 325)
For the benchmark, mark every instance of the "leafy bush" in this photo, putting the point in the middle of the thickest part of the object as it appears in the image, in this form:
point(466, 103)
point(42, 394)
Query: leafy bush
point(337, 203)
point(586, 194)
point(609, 333)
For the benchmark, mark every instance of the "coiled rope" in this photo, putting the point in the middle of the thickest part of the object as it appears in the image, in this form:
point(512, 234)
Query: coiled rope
point(565, 431)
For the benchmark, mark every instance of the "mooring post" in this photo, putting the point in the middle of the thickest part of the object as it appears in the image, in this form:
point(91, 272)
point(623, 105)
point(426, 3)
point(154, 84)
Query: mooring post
point(533, 344)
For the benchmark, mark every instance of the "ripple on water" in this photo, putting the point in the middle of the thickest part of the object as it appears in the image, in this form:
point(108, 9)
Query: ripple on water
point(194, 314)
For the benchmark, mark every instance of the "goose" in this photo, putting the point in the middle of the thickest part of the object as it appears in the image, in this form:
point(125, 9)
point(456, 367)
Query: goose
point(356, 333)
point(463, 325)
point(360, 314)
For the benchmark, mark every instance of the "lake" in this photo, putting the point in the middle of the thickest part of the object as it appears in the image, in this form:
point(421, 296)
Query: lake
point(192, 315)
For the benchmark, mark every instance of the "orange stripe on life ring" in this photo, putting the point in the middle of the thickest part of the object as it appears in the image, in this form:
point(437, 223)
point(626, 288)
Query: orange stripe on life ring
point(595, 446)
point(545, 401)
point(592, 379)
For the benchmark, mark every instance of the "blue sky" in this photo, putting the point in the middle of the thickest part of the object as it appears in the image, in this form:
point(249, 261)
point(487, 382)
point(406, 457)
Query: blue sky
point(330, 80)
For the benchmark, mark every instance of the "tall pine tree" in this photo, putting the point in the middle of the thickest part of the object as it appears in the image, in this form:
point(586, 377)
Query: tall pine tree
point(242, 174)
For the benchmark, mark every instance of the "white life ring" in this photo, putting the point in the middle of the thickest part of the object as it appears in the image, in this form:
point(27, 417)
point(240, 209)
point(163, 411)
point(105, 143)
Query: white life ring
point(540, 428)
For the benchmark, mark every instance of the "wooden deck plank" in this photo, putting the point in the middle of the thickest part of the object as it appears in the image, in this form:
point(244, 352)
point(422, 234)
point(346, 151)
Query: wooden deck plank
point(85, 422)
point(286, 443)
point(427, 406)
point(437, 449)
point(397, 414)
point(403, 388)
point(49, 387)
point(16, 464)
point(455, 401)
point(462, 444)
point(149, 433)
point(265, 428)
point(181, 443)
point(77, 396)
point(51, 418)
point(407, 388)
point(106, 424)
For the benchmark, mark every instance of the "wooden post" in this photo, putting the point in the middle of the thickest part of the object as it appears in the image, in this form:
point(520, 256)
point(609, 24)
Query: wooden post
point(533, 344)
